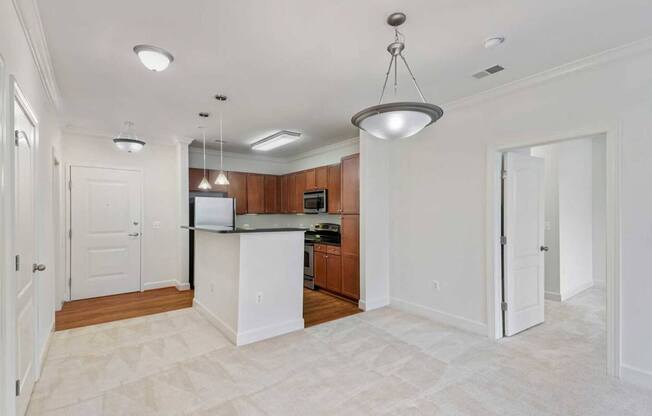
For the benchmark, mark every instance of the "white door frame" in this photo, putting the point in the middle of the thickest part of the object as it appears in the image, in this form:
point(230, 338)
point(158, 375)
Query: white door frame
point(68, 221)
point(613, 218)
point(7, 373)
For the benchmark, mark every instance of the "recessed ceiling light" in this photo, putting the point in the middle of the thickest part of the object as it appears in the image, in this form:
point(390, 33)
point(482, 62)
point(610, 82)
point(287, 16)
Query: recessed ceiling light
point(278, 139)
point(154, 58)
point(494, 41)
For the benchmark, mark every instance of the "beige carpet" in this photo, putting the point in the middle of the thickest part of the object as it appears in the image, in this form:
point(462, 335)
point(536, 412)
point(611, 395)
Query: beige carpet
point(379, 362)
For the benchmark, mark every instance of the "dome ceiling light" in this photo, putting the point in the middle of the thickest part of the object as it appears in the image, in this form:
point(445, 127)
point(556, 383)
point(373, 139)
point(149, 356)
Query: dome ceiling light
point(154, 58)
point(127, 140)
point(397, 120)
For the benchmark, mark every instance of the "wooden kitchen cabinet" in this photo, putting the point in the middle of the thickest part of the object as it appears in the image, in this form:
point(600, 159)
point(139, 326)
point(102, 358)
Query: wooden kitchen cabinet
point(351, 184)
point(283, 194)
point(334, 190)
point(310, 179)
point(194, 178)
point(320, 269)
point(300, 187)
point(238, 190)
point(321, 177)
point(334, 273)
point(291, 193)
point(271, 194)
point(212, 177)
point(255, 193)
point(351, 276)
point(350, 251)
point(350, 234)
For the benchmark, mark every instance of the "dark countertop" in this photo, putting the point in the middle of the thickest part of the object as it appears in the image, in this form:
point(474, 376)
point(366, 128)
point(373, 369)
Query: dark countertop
point(324, 243)
point(243, 230)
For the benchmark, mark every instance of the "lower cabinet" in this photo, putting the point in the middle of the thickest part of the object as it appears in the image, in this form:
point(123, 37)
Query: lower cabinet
point(350, 276)
point(329, 271)
point(334, 276)
point(321, 269)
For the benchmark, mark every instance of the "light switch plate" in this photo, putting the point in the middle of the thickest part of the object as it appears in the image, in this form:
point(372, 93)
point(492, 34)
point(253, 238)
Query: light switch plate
point(156, 225)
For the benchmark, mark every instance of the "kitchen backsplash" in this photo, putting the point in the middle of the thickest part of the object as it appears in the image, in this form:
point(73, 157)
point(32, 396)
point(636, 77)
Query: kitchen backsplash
point(284, 220)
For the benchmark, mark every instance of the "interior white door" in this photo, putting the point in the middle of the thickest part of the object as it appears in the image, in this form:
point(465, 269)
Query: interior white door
point(523, 223)
point(26, 308)
point(105, 212)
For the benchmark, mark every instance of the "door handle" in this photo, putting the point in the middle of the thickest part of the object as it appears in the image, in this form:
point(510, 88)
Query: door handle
point(38, 268)
point(134, 234)
point(543, 248)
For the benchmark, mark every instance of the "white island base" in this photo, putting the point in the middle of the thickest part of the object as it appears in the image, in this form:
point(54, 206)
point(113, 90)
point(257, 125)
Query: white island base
point(250, 284)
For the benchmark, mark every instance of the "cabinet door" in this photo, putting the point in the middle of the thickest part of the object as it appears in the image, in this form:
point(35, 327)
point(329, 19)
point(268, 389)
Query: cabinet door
point(283, 194)
point(350, 230)
point(271, 194)
point(300, 187)
point(255, 193)
point(238, 191)
point(334, 275)
point(351, 184)
point(334, 190)
point(194, 177)
point(321, 177)
point(292, 193)
point(351, 276)
point(310, 179)
point(320, 269)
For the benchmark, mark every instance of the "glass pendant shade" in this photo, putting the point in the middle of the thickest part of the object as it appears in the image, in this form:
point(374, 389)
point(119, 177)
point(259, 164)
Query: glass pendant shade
point(204, 185)
point(221, 179)
point(397, 120)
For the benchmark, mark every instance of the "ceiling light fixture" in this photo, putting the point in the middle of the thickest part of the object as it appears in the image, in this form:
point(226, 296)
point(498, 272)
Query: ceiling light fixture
point(154, 58)
point(397, 120)
point(221, 177)
point(494, 41)
point(127, 140)
point(277, 139)
point(204, 185)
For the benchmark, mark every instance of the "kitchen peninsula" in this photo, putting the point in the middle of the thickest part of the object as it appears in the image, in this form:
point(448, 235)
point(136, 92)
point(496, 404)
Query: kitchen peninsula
point(249, 282)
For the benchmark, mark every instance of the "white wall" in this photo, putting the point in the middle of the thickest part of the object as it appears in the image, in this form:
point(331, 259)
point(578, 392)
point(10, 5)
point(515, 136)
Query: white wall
point(438, 186)
point(599, 172)
point(160, 199)
point(18, 61)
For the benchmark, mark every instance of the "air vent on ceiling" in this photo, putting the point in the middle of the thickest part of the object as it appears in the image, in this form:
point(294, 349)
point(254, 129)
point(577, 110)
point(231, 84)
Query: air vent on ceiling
point(489, 71)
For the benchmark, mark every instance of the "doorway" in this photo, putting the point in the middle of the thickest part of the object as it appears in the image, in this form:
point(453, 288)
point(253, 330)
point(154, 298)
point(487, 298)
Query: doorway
point(105, 231)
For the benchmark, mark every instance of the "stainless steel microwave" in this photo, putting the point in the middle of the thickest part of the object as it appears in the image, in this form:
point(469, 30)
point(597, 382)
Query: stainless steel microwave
point(314, 202)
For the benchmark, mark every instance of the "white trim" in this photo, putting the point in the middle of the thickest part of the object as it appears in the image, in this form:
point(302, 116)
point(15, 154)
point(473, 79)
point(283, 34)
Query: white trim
point(259, 334)
point(6, 400)
point(183, 286)
point(38, 46)
point(554, 296)
point(225, 329)
point(636, 376)
point(576, 291)
point(159, 284)
point(369, 305)
point(493, 266)
point(324, 149)
point(441, 317)
point(44, 351)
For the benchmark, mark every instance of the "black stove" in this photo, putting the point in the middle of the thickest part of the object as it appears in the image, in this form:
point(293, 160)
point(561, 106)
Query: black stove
point(324, 233)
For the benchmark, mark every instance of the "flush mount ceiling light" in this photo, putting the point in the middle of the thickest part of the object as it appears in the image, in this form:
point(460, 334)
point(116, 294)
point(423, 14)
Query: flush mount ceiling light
point(221, 177)
point(397, 120)
point(154, 58)
point(127, 140)
point(204, 185)
point(277, 139)
point(494, 41)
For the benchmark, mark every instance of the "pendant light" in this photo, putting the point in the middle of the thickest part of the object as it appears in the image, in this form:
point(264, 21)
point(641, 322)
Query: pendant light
point(221, 177)
point(127, 140)
point(397, 120)
point(204, 185)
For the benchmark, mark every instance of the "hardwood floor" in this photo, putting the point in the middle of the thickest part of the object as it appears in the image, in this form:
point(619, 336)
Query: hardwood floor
point(320, 307)
point(93, 311)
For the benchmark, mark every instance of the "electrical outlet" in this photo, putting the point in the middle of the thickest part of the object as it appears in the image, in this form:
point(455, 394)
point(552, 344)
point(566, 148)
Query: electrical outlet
point(259, 298)
point(435, 284)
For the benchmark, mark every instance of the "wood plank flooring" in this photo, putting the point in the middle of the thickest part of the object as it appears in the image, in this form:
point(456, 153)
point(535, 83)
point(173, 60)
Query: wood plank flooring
point(93, 311)
point(320, 307)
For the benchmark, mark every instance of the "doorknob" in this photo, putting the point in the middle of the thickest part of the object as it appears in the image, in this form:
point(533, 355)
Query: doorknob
point(543, 248)
point(38, 267)
point(134, 234)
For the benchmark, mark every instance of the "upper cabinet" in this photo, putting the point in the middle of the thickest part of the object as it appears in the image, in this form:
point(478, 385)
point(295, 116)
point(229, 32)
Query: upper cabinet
point(255, 193)
point(238, 191)
point(292, 193)
point(283, 194)
point(300, 188)
point(271, 194)
point(321, 177)
point(351, 184)
point(194, 177)
point(334, 179)
point(310, 179)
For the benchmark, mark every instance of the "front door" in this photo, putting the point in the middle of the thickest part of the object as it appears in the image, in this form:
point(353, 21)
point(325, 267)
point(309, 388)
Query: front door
point(523, 222)
point(105, 215)
point(26, 312)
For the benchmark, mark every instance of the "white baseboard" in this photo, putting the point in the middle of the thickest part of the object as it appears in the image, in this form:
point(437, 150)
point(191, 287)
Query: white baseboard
point(271, 331)
point(553, 296)
point(166, 283)
point(372, 304)
point(225, 329)
point(44, 351)
point(439, 316)
point(183, 286)
point(567, 294)
point(636, 376)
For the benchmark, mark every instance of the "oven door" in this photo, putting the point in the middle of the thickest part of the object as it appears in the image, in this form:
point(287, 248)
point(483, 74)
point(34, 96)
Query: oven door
point(308, 259)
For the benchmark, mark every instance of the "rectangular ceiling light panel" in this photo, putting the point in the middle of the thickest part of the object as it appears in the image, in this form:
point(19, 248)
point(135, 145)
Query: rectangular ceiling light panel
point(278, 139)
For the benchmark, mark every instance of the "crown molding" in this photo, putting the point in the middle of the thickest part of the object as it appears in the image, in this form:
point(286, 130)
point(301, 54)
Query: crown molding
point(30, 20)
point(183, 140)
point(628, 50)
point(234, 155)
point(324, 149)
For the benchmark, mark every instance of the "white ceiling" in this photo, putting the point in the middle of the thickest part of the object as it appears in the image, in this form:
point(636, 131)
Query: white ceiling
point(303, 65)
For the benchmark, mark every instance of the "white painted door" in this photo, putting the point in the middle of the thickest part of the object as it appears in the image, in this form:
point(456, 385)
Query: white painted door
point(523, 222)
point(26, 309)
point(105, 212)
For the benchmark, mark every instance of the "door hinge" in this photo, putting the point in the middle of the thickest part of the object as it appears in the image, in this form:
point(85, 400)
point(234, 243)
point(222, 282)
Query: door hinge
point(503, 306)
point(503, 240)
point(17, 388)
point(17, 262)
point(503, 174)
